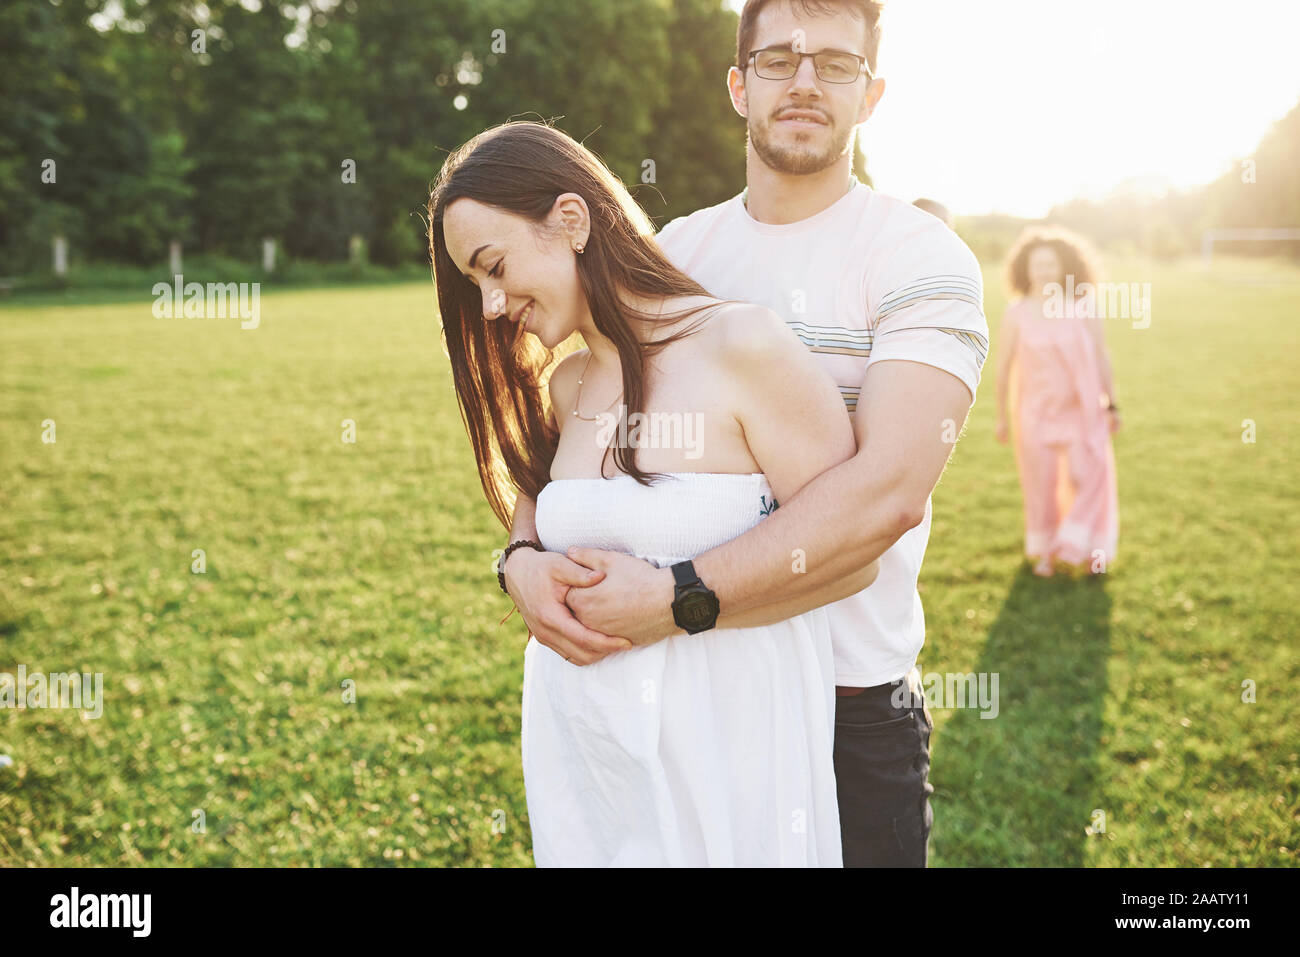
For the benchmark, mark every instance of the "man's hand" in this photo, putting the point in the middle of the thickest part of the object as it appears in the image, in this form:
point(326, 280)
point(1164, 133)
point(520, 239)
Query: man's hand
point(539, 583)
point(633, 599)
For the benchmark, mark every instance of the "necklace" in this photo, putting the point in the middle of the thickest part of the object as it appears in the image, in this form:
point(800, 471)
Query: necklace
point(577, 400)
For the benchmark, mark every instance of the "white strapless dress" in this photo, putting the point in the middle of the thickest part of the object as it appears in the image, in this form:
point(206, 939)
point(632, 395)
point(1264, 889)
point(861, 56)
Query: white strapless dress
point(702, 750)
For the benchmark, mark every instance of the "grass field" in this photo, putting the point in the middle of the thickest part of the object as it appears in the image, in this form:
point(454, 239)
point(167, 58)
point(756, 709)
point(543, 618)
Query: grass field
point(370, 562)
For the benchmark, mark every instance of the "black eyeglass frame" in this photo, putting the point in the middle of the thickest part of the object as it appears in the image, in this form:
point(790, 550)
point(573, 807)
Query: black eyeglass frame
point(862, 64)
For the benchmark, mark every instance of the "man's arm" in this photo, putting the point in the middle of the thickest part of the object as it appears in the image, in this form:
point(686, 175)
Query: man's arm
point(930, 341)
point(770, 613)
point(908, 417)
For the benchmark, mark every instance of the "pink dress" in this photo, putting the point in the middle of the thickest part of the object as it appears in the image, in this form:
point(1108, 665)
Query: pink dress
point(1062, 439)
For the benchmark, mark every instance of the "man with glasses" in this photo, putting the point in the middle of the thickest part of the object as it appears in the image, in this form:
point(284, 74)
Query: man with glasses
point(891, 302)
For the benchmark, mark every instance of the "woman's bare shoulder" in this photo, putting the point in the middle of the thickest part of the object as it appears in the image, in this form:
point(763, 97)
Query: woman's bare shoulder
point(746, 333)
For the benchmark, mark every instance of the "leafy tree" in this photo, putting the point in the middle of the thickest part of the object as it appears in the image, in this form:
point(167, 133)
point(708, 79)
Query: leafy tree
point(242, 129)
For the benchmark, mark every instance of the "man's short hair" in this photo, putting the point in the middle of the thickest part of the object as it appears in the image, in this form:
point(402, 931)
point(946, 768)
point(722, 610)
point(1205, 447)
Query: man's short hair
point(867, 11)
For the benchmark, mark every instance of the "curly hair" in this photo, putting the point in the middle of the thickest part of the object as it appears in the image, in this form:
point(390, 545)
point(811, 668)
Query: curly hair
point(1077, 256)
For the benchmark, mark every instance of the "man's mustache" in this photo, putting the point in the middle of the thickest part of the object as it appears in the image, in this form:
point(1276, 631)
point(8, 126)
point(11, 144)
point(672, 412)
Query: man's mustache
point(801, 109)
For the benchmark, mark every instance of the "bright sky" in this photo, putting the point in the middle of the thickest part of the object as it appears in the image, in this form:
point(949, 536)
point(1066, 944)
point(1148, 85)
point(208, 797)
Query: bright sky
point(1014, 105)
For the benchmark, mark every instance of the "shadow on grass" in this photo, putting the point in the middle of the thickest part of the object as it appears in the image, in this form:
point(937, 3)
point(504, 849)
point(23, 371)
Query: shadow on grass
point(1020, 789)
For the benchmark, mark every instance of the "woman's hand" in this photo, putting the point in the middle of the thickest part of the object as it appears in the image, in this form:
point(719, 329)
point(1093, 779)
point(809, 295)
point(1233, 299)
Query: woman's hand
point(539, 583)
point(1002, 432)
point(634, 600)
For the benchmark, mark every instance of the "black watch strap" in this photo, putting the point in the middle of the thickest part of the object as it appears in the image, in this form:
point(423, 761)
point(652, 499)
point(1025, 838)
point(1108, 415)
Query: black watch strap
point(684, 574)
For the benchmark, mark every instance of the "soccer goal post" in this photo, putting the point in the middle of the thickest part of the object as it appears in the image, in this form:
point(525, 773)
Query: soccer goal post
point(1212, 236)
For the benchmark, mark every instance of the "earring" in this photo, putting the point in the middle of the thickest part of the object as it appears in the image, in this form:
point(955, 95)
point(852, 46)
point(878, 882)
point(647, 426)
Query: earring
point(578, 247)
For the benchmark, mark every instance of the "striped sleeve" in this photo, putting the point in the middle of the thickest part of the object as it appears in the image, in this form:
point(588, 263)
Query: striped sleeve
point(937, 320)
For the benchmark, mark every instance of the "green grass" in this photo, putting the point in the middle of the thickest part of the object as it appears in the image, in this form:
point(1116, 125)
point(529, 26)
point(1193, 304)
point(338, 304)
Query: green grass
point(98, 283)
point(329, 561)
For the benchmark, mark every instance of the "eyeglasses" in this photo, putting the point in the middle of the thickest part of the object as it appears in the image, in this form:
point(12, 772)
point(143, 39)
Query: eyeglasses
point(832, 66)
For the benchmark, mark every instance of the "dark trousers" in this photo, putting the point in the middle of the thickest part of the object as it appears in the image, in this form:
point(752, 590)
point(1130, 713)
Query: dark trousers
point(882, 770)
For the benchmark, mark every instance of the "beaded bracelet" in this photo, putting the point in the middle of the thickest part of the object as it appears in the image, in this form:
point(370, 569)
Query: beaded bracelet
point(501, 566)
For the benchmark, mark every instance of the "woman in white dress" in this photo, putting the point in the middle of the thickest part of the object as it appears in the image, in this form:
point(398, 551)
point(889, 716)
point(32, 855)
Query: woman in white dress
point(708, 749)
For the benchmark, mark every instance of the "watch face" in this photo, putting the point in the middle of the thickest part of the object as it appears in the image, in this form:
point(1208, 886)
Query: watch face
point(697, 611)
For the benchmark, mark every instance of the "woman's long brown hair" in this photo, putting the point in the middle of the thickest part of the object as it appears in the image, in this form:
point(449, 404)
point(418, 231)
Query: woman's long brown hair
point(521, 167)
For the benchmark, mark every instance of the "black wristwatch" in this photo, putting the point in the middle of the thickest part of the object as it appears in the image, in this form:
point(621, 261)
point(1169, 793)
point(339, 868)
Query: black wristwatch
point(695, 607)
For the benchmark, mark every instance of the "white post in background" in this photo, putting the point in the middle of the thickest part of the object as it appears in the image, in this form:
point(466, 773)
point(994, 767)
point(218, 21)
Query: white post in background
point(268, 255)
point(174, 256)
point(356, 250)
point(60, 256)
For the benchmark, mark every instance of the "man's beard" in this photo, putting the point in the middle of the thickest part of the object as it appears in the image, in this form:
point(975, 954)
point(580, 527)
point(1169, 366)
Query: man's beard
point(798, 160)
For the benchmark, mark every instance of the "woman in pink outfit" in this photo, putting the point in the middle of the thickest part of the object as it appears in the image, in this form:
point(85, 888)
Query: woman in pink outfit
point(1054, 379)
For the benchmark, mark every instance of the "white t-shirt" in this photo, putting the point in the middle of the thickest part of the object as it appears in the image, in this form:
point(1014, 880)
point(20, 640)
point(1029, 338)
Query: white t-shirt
point(867, 279)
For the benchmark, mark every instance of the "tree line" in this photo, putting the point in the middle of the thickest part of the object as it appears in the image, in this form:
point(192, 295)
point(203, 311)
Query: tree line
point(130, 123)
